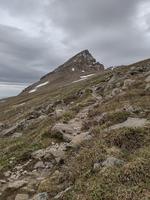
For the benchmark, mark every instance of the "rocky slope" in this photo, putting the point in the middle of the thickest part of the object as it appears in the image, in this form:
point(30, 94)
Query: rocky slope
point(87, 140)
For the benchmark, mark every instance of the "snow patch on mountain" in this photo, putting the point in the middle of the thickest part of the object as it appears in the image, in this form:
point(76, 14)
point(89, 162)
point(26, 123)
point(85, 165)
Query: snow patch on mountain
point(31, 91)
point(38, 86)
point(82, 78)
point(42, 84)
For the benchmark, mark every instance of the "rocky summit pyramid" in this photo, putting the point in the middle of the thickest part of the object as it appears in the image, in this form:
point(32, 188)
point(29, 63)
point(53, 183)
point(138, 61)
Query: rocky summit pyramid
point(83, 62)
point(81, 133)
point(77, 68)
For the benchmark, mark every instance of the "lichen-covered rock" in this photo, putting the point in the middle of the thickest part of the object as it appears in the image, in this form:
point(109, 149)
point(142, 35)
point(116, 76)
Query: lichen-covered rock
point(78, 139)
point(147, 88)
point(130, 123)
point(116, 91)
point(39, 165)
point(128, 83)
point(147, 79)
point(111, 161)
point(42, 154)
point(22, 197)
point(41, 196)
point(9, 131)
point(17, 184)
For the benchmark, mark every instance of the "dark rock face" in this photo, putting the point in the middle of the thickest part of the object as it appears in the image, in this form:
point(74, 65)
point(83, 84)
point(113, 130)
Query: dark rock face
point(83, 62)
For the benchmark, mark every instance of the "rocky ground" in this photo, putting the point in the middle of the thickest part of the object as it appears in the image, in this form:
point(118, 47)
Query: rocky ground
point(87, 141)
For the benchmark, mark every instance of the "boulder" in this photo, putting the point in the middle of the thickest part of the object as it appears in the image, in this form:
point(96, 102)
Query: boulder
point(22, 197)
point(54, 153)
point(112, 161)
point(116, 91)
point(1, 126)
point(2, 181)
point(41, 196)
point(42, 117)
point(7, 173)
point(16, 135)
point(128, 83)
point(58, 151)
point(99, 119)
point(9, 131)
point(63, 128)
point(78, 139)
point(60, 110)
point(63, 131)
point(17, 184)
point(147, 80)
point(130, 123)
point(147, 88)
point(39, 165)
point(39, 154)
point(42, 154)
point(97, 166)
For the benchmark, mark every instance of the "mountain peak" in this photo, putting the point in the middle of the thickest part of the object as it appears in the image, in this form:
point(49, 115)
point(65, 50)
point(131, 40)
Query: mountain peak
point(83, 61)
point(81, 65)
point(85, 54)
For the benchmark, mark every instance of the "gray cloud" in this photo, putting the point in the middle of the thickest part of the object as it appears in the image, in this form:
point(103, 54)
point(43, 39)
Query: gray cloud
point(10, 89)
point(23, 58)
point(38, 35)
point(109, 28)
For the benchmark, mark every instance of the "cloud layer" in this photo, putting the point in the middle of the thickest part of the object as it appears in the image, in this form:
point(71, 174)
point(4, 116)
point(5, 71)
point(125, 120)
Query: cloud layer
point(38, 35)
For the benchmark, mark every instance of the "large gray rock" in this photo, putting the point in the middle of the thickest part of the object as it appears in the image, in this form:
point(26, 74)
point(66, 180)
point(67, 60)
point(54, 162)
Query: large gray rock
point(78, 139)
point(55, 152)
point(97, 166)
point(39, 165)
point(22, 197)
point(41, 196)
point(147, 88)
point(60, 110)
point(112, 161)
point(63, 131)
point(130, 123)
point(128, 83)
point(100, 118)
point(1, 126)
point(113, 79)
point(17, 184)
point(42, 154)
point(147, 79)
point(17, 135)
point(116, 91)
point(9, 131)
point(58, 151)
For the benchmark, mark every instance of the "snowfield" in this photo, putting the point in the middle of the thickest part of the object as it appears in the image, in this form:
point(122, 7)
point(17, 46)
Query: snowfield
point(38, 86)
point(42, 84)
point(31, 91)
point(82, 78)
point(85, 77)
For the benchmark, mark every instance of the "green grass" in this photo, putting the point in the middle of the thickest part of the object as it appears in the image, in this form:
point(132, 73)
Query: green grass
point(130, 181)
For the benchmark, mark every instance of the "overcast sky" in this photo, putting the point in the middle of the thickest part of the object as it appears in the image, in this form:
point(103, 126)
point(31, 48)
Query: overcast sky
point(38, 35)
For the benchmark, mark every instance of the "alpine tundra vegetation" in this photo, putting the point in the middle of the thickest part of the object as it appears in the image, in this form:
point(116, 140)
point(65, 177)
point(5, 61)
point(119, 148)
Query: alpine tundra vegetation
point(81, 132)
